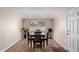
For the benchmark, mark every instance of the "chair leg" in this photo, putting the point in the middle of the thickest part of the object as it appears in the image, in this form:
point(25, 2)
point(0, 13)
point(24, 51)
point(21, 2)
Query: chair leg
point(28, 42)
point(31, 43)
point(34, 45)
point(40, 44)
point(43, 43)
point(47, 42)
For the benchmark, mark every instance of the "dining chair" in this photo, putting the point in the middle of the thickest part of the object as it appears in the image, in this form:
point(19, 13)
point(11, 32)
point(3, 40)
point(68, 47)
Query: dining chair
point(37, 40)
point(29, 38)
point(46, 39)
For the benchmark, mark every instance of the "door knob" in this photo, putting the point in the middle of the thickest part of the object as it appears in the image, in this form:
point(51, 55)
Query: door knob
point(67, 33)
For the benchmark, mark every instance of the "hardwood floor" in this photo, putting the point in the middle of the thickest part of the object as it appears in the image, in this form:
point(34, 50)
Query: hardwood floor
point(22, 46)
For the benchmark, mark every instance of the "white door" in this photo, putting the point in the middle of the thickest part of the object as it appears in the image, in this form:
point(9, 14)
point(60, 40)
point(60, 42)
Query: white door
point(72, 35)
point(73, 30)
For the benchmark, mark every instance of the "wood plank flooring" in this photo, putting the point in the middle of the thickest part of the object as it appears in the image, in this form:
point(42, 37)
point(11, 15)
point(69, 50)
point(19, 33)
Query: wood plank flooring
point(22, 46)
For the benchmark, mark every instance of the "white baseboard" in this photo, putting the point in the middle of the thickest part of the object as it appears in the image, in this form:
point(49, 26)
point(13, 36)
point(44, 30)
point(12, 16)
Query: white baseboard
point(60, 44)
point(9, 46)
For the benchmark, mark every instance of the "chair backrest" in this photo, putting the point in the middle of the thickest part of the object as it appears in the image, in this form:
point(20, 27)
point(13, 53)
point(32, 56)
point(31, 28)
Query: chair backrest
point(38, 37)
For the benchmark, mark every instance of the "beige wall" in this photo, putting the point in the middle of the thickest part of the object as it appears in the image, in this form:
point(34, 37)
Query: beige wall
point(59, 27)
point(10, 28)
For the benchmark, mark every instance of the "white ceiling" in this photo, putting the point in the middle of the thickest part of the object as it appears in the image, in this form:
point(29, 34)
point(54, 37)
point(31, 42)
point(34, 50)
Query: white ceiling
point(38, 12)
